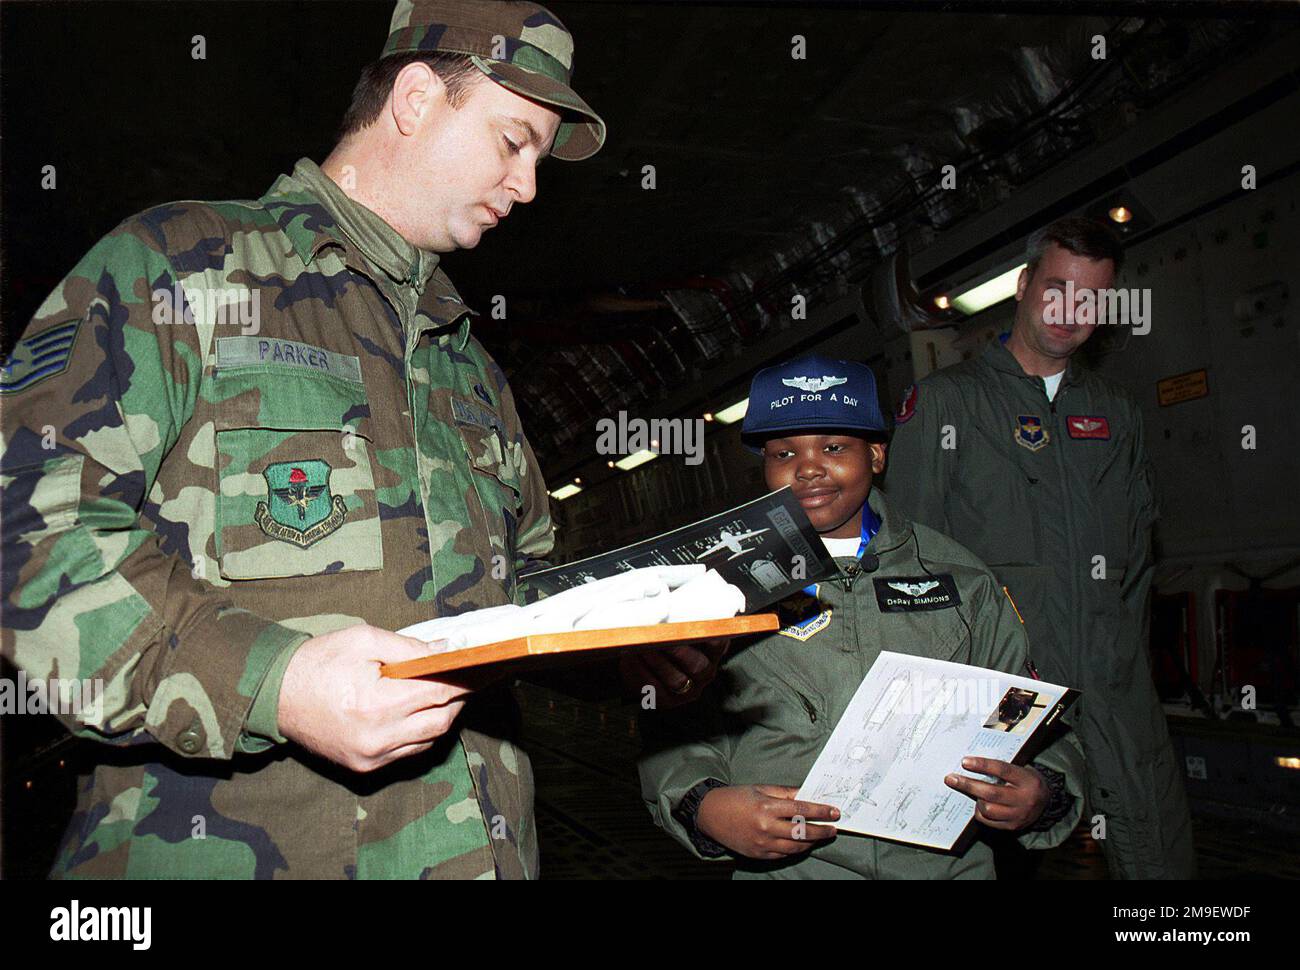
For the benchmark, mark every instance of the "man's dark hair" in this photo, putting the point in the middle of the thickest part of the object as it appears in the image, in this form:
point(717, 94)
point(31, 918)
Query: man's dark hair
point(1081, 236)
point(370, 95)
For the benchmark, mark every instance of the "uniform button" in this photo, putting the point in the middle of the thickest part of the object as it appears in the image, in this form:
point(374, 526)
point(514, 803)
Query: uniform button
point(191, 739)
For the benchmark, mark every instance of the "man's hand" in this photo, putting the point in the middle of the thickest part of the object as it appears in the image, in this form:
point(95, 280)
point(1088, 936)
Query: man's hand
point(1013, 805)
point(678, 674)
point(334, 702)
point(764, 821)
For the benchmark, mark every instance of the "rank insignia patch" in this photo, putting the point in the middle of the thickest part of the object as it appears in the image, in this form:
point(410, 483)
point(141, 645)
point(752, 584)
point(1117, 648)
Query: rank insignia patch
point(1030, 433)
point(40, 356)
point(299, 508)
point(1088, 426)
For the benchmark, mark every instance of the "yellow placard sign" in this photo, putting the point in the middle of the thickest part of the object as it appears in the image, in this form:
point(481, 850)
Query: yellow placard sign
point(1183, 387)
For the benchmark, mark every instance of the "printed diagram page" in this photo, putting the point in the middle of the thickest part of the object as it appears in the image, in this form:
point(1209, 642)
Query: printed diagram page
point(910, 723)
point(766, 548)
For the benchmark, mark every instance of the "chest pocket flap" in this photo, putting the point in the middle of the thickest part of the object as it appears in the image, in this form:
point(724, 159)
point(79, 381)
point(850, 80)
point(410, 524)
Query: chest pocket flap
point(489, 451)
point(296, 493)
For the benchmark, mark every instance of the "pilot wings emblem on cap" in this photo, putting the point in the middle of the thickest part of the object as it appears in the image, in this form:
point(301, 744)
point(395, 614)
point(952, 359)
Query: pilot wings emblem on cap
point(814, 383)
point(915, 589)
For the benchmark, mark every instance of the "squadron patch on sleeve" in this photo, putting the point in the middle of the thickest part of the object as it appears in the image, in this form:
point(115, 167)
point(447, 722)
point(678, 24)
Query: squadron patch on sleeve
point(907, 406)
point(38, 357)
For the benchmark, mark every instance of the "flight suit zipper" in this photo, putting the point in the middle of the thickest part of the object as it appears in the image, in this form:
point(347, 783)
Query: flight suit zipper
point(1067, 513)
point(851, 572)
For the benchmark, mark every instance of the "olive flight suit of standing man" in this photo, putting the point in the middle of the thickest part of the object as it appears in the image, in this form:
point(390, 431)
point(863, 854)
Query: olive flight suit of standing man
point(244, 440)
point(1040, 468)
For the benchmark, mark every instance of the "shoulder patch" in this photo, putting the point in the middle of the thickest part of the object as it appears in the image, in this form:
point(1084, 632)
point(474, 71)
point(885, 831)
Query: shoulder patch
point(907, 406)
point(40, 356)
point(914, 594)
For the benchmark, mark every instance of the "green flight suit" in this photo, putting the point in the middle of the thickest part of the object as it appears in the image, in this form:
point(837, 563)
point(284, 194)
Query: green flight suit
point(232, 426)
point(776, 701)
point(1057, 497)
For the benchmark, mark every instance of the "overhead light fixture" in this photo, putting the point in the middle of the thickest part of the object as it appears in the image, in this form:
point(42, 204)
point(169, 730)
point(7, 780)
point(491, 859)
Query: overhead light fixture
point(609, 464)
point(577, 481)
point(708, 415)
point(565, 491)
point(941, 301)
point(634, 459)
point(1293, 763)
point(1123, 211)
point(981, 297)
point(732, 414)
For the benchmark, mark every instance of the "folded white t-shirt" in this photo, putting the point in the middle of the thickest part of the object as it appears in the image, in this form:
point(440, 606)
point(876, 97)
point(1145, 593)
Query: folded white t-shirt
point(842, 547)
point(638, 597)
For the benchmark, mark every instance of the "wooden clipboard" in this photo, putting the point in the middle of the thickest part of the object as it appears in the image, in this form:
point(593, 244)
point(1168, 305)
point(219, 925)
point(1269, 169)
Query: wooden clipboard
point(581, 641)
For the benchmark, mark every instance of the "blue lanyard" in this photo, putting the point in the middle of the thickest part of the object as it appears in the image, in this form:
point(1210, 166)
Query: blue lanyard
point(870, 526)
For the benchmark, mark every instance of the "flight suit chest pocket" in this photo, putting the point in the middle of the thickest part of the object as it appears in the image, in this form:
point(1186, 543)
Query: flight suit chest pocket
point(1118, 500)
point(994, 510)
point(296, 491)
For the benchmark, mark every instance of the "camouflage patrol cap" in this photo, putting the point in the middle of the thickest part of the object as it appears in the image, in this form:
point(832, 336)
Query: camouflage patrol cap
point(521, 46)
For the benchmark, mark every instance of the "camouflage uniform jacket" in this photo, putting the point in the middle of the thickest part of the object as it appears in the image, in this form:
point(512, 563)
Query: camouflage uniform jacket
point(187, 497)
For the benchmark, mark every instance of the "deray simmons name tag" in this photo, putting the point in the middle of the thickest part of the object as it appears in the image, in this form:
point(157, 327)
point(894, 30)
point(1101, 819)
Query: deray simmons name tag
point(911, 594)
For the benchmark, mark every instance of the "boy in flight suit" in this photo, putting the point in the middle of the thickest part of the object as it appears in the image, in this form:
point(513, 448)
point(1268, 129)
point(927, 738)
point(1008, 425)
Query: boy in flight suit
point(721, 775)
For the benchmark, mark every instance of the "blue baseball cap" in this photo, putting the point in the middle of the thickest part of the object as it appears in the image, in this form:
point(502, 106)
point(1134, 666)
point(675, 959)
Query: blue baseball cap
point(810, 393)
